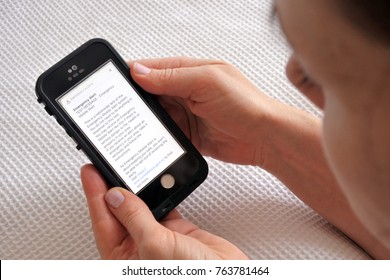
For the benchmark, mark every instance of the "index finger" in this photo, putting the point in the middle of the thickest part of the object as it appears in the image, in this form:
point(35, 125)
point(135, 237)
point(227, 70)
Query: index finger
point(109, 233)
point(173, 62)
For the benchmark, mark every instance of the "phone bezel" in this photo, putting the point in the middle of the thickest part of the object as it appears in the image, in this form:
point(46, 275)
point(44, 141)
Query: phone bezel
point(189, 171)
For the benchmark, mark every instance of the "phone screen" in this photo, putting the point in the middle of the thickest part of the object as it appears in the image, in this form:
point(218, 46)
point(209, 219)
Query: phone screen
point(115, 119)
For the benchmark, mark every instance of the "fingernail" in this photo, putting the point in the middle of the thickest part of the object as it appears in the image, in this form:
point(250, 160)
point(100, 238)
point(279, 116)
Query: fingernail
point(114, 198)
point(141, 69)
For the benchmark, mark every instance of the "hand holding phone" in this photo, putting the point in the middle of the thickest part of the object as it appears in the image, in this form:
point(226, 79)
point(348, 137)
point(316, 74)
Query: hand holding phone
point(121, 128)
point(142, 237)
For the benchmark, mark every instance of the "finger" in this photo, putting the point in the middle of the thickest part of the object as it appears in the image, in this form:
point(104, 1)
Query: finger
point(173, 215)
point(175, 222)
point(173, 62)
point(134, 215)
point(169, 81)
point(108, 232)
point(185, 82)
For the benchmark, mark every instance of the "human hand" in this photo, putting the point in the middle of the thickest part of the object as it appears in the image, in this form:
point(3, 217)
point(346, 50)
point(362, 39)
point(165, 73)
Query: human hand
point(221, 111)
point(125, 228)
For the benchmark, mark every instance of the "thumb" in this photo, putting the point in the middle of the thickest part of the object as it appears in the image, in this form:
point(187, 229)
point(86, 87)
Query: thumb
point(133, 214)
point(178, 82)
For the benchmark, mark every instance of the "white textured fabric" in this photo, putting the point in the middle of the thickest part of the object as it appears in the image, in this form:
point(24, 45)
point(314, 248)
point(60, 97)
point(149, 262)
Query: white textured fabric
point(43, 214)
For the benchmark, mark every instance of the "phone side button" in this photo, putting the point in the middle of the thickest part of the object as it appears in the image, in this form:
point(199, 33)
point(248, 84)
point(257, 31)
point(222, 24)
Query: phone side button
point(59, 122)
point(78, 147)
point(85, 154)
point(48, 111)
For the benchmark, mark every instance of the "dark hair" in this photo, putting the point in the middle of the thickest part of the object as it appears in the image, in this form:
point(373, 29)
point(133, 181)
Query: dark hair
point(372, 16)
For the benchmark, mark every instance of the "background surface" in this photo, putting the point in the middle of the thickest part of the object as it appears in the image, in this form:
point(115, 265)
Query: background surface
point(43, 213)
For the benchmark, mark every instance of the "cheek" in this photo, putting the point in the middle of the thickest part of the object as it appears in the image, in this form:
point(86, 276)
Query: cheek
point(333, 143)
point(347, 147)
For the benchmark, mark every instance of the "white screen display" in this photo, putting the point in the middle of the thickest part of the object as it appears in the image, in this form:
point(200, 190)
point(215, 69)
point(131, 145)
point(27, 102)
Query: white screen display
point(121, 126)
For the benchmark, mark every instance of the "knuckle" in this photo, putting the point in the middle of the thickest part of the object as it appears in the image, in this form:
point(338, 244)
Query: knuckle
point(224, 68)
point(130, 215)
point(167, 74)
point(218, 73)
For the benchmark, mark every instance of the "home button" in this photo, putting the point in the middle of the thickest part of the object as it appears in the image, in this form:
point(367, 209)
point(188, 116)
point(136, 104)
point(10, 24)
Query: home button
point(167, 181)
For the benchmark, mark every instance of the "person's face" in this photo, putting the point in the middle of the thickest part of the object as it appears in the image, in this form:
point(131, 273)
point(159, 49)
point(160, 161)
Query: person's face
point(347, 75)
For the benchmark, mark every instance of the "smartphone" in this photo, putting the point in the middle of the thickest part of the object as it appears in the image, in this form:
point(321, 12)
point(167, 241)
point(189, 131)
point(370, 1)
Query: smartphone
point(122, 129)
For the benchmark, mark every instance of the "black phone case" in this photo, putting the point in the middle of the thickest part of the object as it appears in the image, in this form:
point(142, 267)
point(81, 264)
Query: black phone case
point(172, 201)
